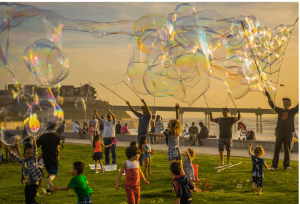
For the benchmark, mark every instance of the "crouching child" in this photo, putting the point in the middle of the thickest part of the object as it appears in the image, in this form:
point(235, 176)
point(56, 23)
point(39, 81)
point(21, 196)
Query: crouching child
point(79, 183)
point(30, 172)
point(181, 185)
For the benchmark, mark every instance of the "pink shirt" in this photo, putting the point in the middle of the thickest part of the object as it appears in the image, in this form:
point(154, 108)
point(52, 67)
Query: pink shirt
point(124, 129)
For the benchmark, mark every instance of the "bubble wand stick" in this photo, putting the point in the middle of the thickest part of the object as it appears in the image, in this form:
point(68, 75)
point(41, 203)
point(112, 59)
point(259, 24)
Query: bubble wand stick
point(132, 90)
point(98, 96)
point(113, 92)
point(232, 101)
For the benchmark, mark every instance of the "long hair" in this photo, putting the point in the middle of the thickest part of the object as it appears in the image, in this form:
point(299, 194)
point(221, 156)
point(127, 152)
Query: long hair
point(175, 128)
point(192, 153)
point(142, 141)
point(96, 138)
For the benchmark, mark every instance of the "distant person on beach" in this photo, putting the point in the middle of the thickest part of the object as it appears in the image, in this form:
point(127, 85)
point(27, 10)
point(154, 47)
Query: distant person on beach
point(159, 127)
point(118, 128)
point(284, 130)
point(152, 125)
point(225, 138)
point(108, 136)
point(124, 130)
point(144, 120)
point(204, 133)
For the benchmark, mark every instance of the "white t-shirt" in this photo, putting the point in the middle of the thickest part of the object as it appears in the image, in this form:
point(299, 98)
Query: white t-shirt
point(75, 128)
point(108, 128)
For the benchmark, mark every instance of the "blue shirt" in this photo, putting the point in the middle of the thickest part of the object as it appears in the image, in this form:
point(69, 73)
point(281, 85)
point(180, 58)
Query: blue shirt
point(258, 164)
point(143, 123)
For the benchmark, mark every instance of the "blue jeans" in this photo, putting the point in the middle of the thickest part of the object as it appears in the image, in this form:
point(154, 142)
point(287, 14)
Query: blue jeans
point(107, 152)
point(141, 159)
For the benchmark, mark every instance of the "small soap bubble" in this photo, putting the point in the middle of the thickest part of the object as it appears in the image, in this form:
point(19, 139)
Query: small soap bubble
point(160, 200)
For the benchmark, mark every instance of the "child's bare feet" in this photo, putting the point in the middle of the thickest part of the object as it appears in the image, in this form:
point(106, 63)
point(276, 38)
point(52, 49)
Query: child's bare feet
point(151, 175)
point(253, 190)
point(147, 176)
point(228, 163)
point(221, 164)
point(260, 193)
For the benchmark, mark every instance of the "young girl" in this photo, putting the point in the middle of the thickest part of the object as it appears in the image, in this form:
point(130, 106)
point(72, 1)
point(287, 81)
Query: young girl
point(257, 170)
point(188, 168)
point(172, 135)
point(97, 153)
point(92, 131)
point(133, 174)
point(145, 147)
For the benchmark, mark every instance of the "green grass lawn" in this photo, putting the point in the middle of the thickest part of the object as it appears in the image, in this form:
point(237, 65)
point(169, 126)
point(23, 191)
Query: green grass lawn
point(280, 186)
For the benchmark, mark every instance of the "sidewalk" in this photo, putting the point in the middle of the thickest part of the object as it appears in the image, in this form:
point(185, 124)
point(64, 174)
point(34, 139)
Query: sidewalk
point(200, 150)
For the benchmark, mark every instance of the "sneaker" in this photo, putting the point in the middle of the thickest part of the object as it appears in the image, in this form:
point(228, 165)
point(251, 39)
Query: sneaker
point(273, 168)
point(48, 192)
point(288, 168)
point(102, 171)
point(96, 172)
point(48, 181)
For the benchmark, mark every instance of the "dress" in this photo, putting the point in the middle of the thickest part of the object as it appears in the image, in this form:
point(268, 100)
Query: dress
point(188, 169)
point(147, 148)
point(257, 170)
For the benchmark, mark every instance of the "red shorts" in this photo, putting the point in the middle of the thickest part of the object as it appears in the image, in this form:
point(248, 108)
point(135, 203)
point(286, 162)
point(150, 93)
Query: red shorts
point(133, 194)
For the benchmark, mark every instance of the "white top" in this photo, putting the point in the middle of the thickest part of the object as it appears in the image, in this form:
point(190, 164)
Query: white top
point(108, 128)
point(75, 128)
point(132, 164)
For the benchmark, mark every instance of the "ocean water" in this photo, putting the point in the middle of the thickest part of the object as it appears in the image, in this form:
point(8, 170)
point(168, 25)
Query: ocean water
point(268, 127)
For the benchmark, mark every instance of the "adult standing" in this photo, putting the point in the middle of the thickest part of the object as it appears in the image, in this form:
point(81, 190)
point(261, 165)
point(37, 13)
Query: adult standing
point(159, 127)
point(152, 125)
point(225, 138)
point(108, 136)
point(50, 153)
point(61, 129)
point(101, 126)
point(143, 128)
point(118, 128)
point(203, 133)
point(285, 129)
point(96, 123)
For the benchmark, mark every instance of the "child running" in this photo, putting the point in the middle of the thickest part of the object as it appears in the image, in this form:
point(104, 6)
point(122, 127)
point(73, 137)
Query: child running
point(133, 175)
point(181, 185)
point(97, 153)
point(79, 183)
point(188, 168)
point(172, 135)
point(145, 147)
point(257, 170)
point(30, 172)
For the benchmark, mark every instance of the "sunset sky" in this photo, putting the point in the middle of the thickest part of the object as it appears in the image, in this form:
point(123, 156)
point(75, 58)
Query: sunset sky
point(105, 59)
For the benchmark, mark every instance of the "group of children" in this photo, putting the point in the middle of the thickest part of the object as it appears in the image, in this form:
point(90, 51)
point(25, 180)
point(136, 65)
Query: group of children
point(182, 175)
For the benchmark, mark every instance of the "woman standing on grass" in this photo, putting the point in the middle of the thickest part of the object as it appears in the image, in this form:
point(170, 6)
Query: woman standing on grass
point(172, 135)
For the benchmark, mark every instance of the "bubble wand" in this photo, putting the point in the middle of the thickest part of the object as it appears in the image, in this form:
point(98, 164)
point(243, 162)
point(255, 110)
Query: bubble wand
point(132, 90)
point(113, 92)
point(232, 101)
point(98, 96)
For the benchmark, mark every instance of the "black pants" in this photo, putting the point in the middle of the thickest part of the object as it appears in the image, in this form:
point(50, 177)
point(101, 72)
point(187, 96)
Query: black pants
point(285, 138)
point(30, 193)
point(107, 151)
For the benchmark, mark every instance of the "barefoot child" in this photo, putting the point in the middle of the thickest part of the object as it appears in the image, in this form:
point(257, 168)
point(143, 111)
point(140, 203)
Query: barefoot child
point(97, 153)
point(30, 172)
point(188, 168)
point(257, 170)
point(181, 185)
point(133, 175)
point(145, 147)
point(79, 183)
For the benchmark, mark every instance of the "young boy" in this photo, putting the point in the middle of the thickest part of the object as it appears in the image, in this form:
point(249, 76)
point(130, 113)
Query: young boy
point(30, 172)
point(133, 175)
point(79, 183)
point(181, 185)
